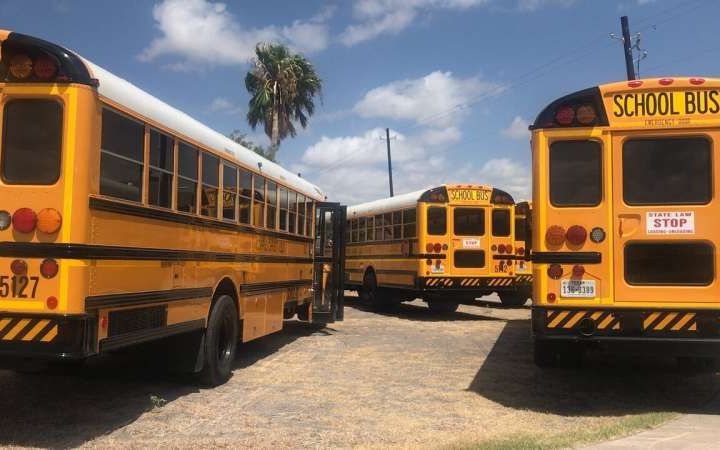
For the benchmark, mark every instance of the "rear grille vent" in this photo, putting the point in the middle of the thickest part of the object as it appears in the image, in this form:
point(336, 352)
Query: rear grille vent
point(127, 321)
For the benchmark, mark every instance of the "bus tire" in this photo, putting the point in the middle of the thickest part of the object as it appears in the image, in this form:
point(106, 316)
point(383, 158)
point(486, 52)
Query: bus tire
point(375, 298)
point(303, 312)
point(512, 298)
point(442, 306)
point(221, 338)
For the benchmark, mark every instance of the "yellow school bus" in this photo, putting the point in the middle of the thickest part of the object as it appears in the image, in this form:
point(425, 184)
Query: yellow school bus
point(448, 245)
point(123, 221)
point(523, 267)
point(625, 220)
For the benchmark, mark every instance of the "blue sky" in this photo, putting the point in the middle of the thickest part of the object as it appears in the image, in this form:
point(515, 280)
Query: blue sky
point(457, 81)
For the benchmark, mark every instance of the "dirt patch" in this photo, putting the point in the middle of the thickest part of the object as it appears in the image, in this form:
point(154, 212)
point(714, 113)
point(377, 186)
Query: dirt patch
point(404, 379)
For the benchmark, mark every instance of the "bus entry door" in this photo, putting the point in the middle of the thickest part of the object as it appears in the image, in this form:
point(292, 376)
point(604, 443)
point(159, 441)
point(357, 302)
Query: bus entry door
point(328, 263)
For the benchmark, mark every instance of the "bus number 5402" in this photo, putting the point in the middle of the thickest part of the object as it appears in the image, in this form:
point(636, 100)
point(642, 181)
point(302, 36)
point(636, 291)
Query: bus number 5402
point(18, 286)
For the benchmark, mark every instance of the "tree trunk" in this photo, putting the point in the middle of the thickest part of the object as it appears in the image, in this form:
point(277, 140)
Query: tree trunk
point(275, 133)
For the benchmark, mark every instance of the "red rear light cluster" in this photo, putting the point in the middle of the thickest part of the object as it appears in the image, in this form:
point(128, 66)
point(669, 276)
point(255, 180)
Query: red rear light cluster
point(555, 235)
point(18, 267)
point(435, 248)
point(25, 220)
point(578, 271)
point(49, 268)
point(502, 248)
point(582, 115)
point(555, 271)
point(575, 235)
point(520, 251)
point(21, 67)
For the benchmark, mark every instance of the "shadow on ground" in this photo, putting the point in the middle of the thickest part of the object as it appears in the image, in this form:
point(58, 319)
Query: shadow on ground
point(417, 312)
point(605, 385)
point(63, 409)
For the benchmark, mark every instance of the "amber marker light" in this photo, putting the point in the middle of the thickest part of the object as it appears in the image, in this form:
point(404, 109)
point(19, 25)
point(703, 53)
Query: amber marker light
point(49, 220)
point(20, 66)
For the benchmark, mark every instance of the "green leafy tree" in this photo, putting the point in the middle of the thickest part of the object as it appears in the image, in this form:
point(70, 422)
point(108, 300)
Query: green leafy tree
point(282, 87)
point(242, 139)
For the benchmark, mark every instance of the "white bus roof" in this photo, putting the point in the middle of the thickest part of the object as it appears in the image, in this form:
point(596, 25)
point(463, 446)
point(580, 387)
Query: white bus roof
point(126, 94)
point(384, 205)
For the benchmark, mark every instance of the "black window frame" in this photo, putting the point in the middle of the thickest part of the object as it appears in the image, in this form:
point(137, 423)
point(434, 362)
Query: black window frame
point(185, 178)
point(60, 143)
point(110, 155)
point(228, 168)
point(510, 224)
point(600, 178)
point(709, 246)
point(445, 222)
point(473, 209)
point(152, 167)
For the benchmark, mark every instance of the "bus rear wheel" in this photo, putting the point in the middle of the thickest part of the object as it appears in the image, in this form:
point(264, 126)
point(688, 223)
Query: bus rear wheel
point(513, 298)
point(221, 337)
point(375, 298)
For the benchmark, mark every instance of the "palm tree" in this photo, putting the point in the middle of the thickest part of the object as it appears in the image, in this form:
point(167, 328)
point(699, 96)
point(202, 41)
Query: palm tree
point(282, 86)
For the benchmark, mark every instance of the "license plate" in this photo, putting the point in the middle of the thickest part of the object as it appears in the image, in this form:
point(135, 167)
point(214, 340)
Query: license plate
point(18, 286)
point(577, 288)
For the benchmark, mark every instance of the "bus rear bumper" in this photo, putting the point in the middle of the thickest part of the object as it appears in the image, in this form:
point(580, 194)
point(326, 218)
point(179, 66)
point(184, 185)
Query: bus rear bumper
point(671, 332)
point(467, 284)
point(45, 337)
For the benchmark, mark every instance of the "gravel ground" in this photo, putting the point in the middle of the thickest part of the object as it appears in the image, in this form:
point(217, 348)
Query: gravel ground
point(407, 379)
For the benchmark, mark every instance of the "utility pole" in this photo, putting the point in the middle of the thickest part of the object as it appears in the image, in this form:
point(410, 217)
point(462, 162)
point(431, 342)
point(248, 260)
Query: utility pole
point(627, 46)
point(387, 139)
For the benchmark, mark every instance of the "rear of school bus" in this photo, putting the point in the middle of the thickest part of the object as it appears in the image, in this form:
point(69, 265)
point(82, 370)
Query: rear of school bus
point(44, 159)
point(523, 267)
point(467, 236)
point(625, 222)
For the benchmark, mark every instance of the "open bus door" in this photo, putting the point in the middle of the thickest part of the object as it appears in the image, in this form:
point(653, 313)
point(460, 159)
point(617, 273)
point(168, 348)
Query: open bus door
point(329, 263)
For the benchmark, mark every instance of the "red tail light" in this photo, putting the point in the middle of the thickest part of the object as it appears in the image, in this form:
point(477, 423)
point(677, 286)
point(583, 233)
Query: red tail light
point(551, 297)
point(429, 247)
point(24, 220)
point(576, 235)
point(437, 248)
point(697, 81)
point(501, 248)
point(521, 251)
point(578, 271)
point(555, 235)
point(635, 83)
point(509, 249)
point(49, 268)
point(44, 68)
point(18, 267)
point(565, 115)
point(51, 302)
point(428, 262)
point(665, 81)
point(555, 271)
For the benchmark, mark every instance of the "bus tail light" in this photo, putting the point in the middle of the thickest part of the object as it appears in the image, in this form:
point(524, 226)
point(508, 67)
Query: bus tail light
point(586, 115)
point(429, 247)
point(578, 271)
point(565, 115)
point(44, 67)
point(509, 249)
point(437, 248)
point(18, 267)
point(520, 251)
point(5, 220)
point(494, 247)
point(24, 220)
point(49, 220)
point(635, 83)
point(597, 235)
point(20, 66)
point(665, 81)
point(501, 249)
point(51, 302)
point(49, 268)
point(555, 235)
point(428, 262)
point(555, 271)
point(551, 297)
point(697, 81)
point(576, 235)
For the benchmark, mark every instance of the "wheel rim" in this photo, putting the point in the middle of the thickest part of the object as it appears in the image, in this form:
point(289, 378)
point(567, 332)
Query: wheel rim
point(225, 341)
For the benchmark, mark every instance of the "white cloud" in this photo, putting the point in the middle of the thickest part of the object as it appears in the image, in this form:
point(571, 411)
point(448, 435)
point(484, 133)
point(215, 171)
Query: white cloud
point(439, 98)
point(508, 175)
point(223, 105)
point(518, 129)
point(377, 17)
point(534, 5)
point(203, 33)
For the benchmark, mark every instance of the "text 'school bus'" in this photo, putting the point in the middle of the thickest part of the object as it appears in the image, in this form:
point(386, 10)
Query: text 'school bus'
point(447, 245)
point(625, 221)
point(523, 267)
point(124, 220)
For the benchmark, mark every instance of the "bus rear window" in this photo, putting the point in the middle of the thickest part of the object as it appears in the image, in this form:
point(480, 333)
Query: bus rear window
point(469, 221)
point(32, 138)
point(668, 171)
point(469, 259)
point(436, 221)
point(575, 173)
point(501, 222)
point(669, 263)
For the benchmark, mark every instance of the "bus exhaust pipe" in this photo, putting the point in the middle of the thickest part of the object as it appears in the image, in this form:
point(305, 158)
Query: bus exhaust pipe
point(587, 327)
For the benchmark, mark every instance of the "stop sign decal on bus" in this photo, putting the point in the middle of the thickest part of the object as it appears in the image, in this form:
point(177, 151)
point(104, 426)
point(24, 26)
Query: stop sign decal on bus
point(675, 222)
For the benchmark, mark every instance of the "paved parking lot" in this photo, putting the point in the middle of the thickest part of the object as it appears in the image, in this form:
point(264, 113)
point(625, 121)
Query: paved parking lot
point(403, 379)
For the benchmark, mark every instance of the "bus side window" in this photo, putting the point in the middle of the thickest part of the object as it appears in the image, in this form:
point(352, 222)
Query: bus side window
point(397, 224)
point(283, 207)
point(409, 221)
point(162, 166)
point(501, 222)
point(121, 157)
point(210, 183)
point(246, 186)
point(229, 192)
point(436, 221)
point(187, 178)
point(259, 201)
point(370, 224)
point(301, 215)
point(292, 215)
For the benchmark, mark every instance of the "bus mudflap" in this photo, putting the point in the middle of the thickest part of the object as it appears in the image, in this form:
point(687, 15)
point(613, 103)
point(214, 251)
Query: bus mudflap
point(30, 336)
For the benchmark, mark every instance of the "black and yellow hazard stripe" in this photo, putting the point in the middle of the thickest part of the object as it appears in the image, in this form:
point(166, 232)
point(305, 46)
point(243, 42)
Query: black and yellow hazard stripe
point(568, 319)
point(670, 321)
point(28, 330)
point(468, 282)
